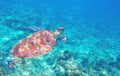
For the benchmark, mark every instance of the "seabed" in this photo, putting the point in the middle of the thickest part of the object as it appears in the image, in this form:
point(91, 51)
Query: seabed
point(86, 52)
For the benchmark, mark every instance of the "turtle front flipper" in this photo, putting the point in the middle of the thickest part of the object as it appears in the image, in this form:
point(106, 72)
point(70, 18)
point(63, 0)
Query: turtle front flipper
point(63, 38)
point(13, 60)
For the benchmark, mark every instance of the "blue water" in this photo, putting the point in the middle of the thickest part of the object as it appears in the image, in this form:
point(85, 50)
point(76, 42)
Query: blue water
point(92, 29)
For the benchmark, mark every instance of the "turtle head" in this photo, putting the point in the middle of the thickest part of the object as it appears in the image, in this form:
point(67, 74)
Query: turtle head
point(58, 31)
point(12, 61)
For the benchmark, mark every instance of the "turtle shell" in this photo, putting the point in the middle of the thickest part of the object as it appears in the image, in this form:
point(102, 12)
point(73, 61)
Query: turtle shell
point(36, 44)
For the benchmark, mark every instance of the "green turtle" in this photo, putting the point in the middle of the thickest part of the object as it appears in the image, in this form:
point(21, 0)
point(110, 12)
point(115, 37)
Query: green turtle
point(36, 44)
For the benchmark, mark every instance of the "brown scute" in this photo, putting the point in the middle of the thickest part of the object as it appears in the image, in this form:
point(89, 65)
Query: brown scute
point(43, 41)
point(32, 47)
point(24, 53)
point(15, 49)
point(47, 38)
point(23, 42)
point(38, 42)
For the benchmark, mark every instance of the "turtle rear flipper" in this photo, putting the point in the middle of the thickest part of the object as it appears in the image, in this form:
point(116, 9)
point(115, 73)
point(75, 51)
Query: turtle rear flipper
point(13, 60)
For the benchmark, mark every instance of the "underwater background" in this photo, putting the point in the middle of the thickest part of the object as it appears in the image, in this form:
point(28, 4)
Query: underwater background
point(92, 28)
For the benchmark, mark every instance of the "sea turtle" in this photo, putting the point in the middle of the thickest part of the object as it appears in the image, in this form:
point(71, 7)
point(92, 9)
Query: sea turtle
point(36, 44)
